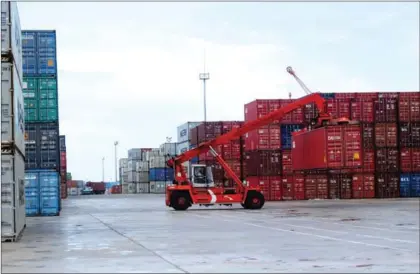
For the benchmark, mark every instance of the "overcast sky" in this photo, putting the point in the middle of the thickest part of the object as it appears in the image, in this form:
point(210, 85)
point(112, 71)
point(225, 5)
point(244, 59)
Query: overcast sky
point(129, 71)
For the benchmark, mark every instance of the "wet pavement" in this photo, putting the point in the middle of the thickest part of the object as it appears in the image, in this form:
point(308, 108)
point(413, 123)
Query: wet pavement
point(138, 234)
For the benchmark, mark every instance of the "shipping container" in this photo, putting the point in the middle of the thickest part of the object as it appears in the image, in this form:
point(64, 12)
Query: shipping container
point(98, 187)
point(135, 154)
point(294, 117)
point(263, 138)
point(337, 147)
point(208, 131)
point(11, 36)
point(386, 135)
point(62, 141)
point(286, 134)
point(263, 182)
point(63, 190)
point(168, 149)
point(233, 150)
point(69, 177)
point(386, 110)
point(74, 191)
point(345, 95)
point(159, 187)
point(263, 162)
point(366, 96)
point(368, 161)
point(158, 162)
point(161, 174)
point(259, 108)
point(293, 187)
point(123, 162)
point(388, 95)
point(363, 185)
point(340, 186)
point(12, 108)
point(143, 187)
point(195, 159)
point(131, 188)
point(142, 166)
point(387, 185)
point(143, 177)
point(410, 159)
point(132, 164)
point(339, 108)
point(410, 185)
point(362, 109)
point(182, 147)
point(409, 107)
point(367, 135)
point(310, 112)
point(286, 161)
point(208, 155)
point(116, 189)
point(276, 188)
point(409, 134)
point(32, 197)
point(316, 186)
point(387, 160)
point(63, 159)
point(132, 176)
point(184, 131)
point(147, 154)
point(13, 218)
point(43, 57)
point(329, 95)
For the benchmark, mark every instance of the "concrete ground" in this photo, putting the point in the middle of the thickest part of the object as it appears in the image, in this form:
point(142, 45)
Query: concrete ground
point(138, 234)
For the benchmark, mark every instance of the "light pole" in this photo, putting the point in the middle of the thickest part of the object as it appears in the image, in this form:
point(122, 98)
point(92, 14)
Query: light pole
point(103, 169)
point(115, 155)
point(205, 77)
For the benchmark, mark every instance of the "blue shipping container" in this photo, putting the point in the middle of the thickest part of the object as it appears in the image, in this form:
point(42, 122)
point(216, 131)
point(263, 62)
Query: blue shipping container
point(42, 146)
point(410, 185)
point(161, 174)
point(46, 43)
point(195, 159)
point(29, 40)
point(39, 53)
point(29, 63)
point(330, 95)
point(286, 135)
point(49, 182)
point(32, 194)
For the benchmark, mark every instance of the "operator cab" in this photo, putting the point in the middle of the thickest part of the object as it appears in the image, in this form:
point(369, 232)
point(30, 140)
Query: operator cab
point(201, 176)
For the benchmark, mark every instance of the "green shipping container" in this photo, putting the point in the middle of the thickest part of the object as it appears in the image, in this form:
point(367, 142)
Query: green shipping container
point(68, 176)
point(40, 99)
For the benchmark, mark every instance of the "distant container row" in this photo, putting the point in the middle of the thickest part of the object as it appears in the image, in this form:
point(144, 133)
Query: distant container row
point(157, 187)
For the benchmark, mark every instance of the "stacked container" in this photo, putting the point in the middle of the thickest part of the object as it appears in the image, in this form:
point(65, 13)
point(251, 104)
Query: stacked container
point(231, 152)
point(13, 218)
point(41, 111)
point(160, 175)
point(63, 167)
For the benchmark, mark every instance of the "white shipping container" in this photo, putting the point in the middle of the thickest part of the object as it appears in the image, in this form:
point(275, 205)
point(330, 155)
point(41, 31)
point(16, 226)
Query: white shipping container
point(159, 186)
point(11, 34)
point(157, 162)
point(123, 163)
point(132, 188)
point(73, 191)
point(142, 187)
point(134, 153)
point(184, 131)
point(12, 108)
point(168, 149)
point(182, 147)
point(13, 215)
point(142, 166)
point(124, 178)
point(143, 177)
point(147, 154)
point(132, 177)
point(132, 164)
point(124, 188)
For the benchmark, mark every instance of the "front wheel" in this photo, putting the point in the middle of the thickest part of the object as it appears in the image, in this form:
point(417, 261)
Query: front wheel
point(254, 200)
point(180, 200)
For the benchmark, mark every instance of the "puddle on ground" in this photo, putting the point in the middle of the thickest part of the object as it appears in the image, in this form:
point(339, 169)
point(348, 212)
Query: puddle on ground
point(350, 219)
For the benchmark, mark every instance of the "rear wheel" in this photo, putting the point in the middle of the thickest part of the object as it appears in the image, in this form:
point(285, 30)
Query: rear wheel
point(180, 200)
point(254, 200)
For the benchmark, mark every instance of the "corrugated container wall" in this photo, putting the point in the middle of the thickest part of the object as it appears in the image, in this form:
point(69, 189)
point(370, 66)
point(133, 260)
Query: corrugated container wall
point(184, 131)
point(168, 149)
point(40, 54)
point(135, 154)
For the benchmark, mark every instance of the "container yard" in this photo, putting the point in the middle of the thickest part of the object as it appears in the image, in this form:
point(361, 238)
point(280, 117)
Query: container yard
point(301, 173)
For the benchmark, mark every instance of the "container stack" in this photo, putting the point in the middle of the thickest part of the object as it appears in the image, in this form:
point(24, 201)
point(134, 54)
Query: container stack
point(232, 152)
point(376, 155)
point(134, 157)
point(74, 187)
point(63, 166)
point(184, 141)
point(41, 119)
point(13, 219)
point(160, 175)
point(123, 173)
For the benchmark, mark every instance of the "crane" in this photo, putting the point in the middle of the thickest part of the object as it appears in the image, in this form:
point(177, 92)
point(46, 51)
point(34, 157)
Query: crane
point(201, 188)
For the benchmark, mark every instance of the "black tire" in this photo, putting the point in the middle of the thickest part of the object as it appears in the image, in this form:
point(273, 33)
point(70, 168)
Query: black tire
point(180, 200)
point(254, 200)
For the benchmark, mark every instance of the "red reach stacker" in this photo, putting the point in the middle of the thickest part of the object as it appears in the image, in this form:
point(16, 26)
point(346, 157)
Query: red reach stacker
point(200, 187)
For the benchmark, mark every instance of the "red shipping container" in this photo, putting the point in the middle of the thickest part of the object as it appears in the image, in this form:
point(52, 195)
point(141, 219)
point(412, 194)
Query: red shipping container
point(368, 160)
point(410, 159)
point(386, 135)
point(368, 96)
point(194, 136)
point(387, 160)
point(232, 150)
point(310, 112)
point(63, 159)
point(316, 186)
point(276, 188)
point(388, 95)
point(363, 186)
point(409, 107)
point(387, 185)
point(345, 95)
point(415, 134)
point(338, 108)
point(386, 110)
point(340, 186)
point(263, 138)
point(116, 189)
point(295, 117)
point(209, 130)
point(362, 109)
point(72, 184)
point(331, 147)
point(63, 191)
point(259, 108)
point(263, 162)
point(229, 125)
point(405, 134)
point(293, 187)
point(208, 156)
point(286, 161)
point(367, 135)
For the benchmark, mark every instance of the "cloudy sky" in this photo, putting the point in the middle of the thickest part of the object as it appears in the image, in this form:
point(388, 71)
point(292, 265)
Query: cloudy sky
point(129, 71)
